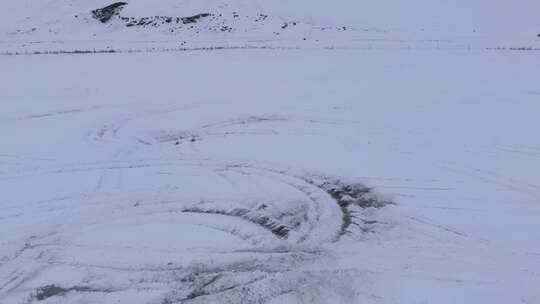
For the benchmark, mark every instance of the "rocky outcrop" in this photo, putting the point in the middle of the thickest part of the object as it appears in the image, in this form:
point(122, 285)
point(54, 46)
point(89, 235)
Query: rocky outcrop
point(158, 20)
point(106, 13)
point(194, 18)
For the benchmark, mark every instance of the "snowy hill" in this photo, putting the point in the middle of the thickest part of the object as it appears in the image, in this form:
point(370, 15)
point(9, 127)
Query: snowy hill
point(259, 23)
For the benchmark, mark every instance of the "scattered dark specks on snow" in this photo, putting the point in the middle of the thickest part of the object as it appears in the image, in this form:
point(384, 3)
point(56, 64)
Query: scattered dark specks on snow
point(261, 17)
point(156, 21)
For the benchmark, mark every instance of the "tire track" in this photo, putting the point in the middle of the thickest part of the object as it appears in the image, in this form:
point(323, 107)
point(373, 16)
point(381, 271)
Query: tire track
point(271, 266)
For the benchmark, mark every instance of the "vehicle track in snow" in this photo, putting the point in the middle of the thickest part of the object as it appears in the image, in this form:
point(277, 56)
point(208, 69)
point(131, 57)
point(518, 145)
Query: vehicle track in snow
point(276, 240)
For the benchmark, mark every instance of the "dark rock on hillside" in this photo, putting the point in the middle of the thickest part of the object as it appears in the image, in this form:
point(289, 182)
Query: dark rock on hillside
point(106, 13)
point(194, 18)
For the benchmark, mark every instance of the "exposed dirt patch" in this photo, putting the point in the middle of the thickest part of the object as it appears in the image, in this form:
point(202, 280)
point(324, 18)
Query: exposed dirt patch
point(354, 195)
point(350, 196)
point(53, 290)
point(266, 222)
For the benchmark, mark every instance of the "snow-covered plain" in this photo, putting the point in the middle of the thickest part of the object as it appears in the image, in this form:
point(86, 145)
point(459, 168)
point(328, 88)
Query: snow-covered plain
point(393, 168)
